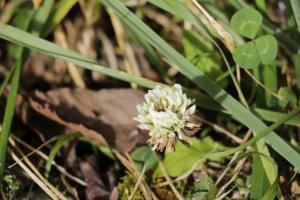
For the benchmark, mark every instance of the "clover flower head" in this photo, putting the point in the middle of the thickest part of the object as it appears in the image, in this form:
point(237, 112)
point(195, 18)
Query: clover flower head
point(166, 112)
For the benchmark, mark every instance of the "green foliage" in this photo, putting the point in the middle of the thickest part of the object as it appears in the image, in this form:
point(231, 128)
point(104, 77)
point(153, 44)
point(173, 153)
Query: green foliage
point(203, 190)
point(12, 185)
point(247, 55)
point(144, 155)
point(263, 50)
point(271, 192)
point(296, 9)
point(202, 54)
point(259, 180)
point(296, 62)
point(246, 22)
point(267, 48)
point(126, 187)
point(184, 157)
point(269, 73)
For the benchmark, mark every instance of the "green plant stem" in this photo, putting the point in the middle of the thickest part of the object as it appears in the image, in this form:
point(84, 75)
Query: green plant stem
point(9, 111)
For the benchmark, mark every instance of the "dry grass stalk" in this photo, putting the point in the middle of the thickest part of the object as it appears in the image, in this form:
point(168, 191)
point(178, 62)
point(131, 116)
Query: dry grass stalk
point(39, 182)
point(130, 166)
point(138, 182)
point(207, 19)
point(73, 70)
point(61, 169)
point(36, 172)
point(126, 49)
point(169, 180)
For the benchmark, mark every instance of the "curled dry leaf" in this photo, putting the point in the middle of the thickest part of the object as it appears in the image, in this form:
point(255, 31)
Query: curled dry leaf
point(104, 116)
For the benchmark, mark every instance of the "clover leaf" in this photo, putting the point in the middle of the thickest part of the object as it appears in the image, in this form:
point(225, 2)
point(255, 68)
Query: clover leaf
point(246, 22)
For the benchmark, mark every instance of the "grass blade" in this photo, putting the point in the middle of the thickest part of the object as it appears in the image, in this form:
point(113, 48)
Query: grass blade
point(256, 138)
point(22, 38)
point(9, 112)
point(38, 21)
point(296, 9)
point(58, 14)
point(54, 150)
point(271, 192)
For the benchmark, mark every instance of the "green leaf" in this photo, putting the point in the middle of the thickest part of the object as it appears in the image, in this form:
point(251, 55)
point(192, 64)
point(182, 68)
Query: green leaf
point(271, 192)
point(54, 150)
point(203, 190)
point(9, 110)
point(259, 179)
point(267, 48)
point(296, 61)
point(262, 50)
point(144, 156)
point(273, 116)
point(61, 10)
point(183, 159)
point(247, 55)
point(296, 9)
point(40, 17)
point(269, 73)
point(261, 4)
point(246, 22)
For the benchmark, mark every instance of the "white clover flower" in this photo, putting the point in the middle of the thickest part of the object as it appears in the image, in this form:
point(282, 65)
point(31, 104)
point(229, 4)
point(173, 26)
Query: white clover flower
point(166, 112)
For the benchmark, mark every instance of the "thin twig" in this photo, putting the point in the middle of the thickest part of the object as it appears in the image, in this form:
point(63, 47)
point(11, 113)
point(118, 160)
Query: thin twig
point(34, 151)
point(223, 130)
point(246, 137)
point(32, 175)
point(138, 182)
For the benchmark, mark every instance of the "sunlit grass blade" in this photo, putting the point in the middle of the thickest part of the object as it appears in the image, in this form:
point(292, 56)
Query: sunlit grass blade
point(38, 22)
point(185, 67)
point(61, 10)
point(22, 38)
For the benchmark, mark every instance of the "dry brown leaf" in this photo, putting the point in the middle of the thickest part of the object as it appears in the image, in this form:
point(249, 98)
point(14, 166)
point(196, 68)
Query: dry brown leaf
point(104, 116)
